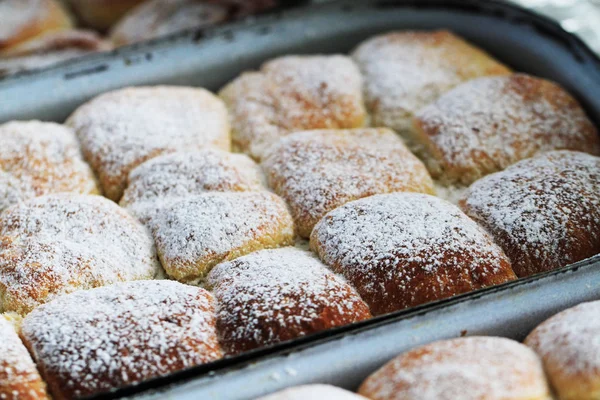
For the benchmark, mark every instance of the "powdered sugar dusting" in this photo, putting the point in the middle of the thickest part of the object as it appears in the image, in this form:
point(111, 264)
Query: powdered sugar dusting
point(22, 13)
point(57, 244)
point(275, 295)
point(544, 211)
point(316, 391)
point(290, 94)
point(98, 340)
point(466, 368)
point(317, 171)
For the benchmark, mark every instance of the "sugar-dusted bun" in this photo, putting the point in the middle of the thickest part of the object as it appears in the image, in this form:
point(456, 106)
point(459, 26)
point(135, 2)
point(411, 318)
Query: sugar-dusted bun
point(271, 296)
point(471, 368)
point(405, 71)
point(196, 233)
point(57, 244)
point(38, 158)
point(102, 339)
point(290, 94)
point(569, 347)
point(404, 249)
point(315, 391)
point(22, 20)
point(119, 130)
point(317, 171)
point(19, 377)
point(162, 180)
point(50, 49)
point(101, 14)
point(544, 211)
point(487, 124)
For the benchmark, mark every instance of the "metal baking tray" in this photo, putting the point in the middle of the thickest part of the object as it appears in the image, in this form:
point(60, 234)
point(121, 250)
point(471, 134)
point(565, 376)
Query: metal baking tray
point(211, 57)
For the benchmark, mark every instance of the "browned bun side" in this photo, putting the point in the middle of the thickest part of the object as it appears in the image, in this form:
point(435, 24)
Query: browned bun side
point(101, 14)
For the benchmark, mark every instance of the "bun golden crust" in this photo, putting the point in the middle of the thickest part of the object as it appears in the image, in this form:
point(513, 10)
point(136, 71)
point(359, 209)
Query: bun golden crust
point(487, 124)
point(101, 14)
point(404, 71)
point(119, 130)
point(53, 245)
point(196, 233)
point(318, 171)
point(290, 94)
point(98, 340)
point(544, 211)
point(403, 249)
point(316, 391)
point(568, 345)
point(19, 378)
point(271, 296)
point(472, 368)
point(39, 158)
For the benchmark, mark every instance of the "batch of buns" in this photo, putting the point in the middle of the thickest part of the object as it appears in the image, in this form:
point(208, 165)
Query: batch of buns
point(39, 33)
point(196, 252)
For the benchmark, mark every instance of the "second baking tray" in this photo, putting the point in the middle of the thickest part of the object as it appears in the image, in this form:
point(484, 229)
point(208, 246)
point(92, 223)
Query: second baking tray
point(210, 58)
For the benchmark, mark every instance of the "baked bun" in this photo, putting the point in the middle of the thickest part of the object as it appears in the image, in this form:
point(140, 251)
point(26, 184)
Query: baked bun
point(162, 180)
point(568, 345)
point(487, 124)
point(405, 71)
point(103, 339)
point(403, 249)
point(155, 18)
point(315, 391)
point(544, 211)
point(19, 378)
point(38, 158)
point(22, 20)
point(50, 49)
point(290, 94)
point(119, 130)
point(57, 244)
point(471, 368)
point(317, 171)
point(271, 296)
point(196, 233)
point(101, 14)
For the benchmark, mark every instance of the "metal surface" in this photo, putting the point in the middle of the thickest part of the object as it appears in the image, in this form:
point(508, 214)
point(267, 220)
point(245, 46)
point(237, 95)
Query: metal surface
point(210, 58)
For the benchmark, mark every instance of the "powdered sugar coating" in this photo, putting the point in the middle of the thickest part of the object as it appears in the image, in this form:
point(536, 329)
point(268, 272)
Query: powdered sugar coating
point(472, 368)
point(38, 158)
point(196, 233)
point(569, 345)
point(53, 245)
point(407, 70)
point(544, 211)
point(317, 171)
point(272, 296)
point(316, 391)
point(487, 124)
point(19, 378)
point(119, 130)
point(165, 179)
point(98, 340)
point(404, 249)
point(290, 94)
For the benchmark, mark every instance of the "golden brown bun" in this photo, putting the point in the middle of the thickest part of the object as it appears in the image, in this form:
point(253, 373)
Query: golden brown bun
point(271, 296)
point(121, 129)
point(22, 20)
point(404, 249)
point(472, 368)
point(39, 158)
point(101, 14)
point(196, 233)
point(57, 244)
point(544, 211)
point(19, 378)
point(98, 340)
point(404, 71)
point(487, 124)
point(165, 179)
point(293, 93)
point(568, 345)
point(315, 391)
point(317, 171)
